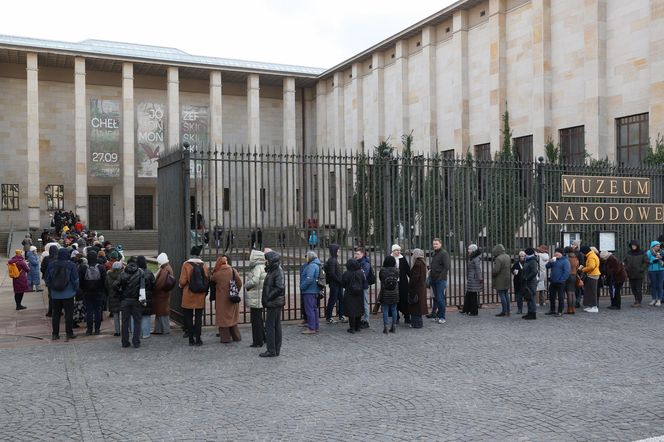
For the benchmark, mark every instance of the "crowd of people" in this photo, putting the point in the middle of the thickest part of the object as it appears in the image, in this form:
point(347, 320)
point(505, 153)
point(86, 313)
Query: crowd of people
point(86, 276)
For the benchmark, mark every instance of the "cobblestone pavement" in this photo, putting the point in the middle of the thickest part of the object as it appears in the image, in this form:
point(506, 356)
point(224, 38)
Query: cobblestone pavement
point(587, 377)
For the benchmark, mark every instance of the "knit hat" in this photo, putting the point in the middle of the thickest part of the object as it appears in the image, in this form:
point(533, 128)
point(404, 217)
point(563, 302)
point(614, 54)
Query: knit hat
point(33, 248)
point(117, 265)
point(396, 247)
point(74, 246)
point(101, 253)
point(604, 254)
point(472, 248)
point(654, 243)
point(74, 253)
point(115, 255)
point(530, 251)
point(162, 259)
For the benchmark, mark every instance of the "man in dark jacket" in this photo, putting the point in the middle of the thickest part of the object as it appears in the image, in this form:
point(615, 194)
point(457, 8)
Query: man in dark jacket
point(92, 277)
point(529, 282)
point(52, 256)
point(62, 297)
point(440, 267)
point(500, 275)
point(333, 278)
point(360, 255)
point(636, 266)
point(273, 298)
point(128, 287)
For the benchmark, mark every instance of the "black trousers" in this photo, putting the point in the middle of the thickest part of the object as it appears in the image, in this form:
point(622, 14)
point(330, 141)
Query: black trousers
point(556, 292)
point(131, 308)
point(18, 299)
point(273, 330)
point(615, 296)
point(470, 305)
point(636, 285)
point(193, 320)
point(257, 326)
point(354, 322)
point(58, 305)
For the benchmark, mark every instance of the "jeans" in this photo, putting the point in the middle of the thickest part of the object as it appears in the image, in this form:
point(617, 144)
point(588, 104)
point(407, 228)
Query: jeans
point(93, 312)
point(439, 286)
point(58, 305)
point(656, 281)
point(193, 319)
point(556, 291)
point(116, 322)
point(310, 306)
point(365, 317)
point(336, 295)
point(389, 310)
point(145, 326)
point(504, 300)
point(131, 310)
point(273, 330)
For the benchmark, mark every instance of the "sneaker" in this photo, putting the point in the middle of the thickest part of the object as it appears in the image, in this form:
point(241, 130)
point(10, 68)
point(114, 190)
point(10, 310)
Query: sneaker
point(343, 319)
point(440, 321)
point(587, 309)
point(653, 302)
point(658, 303)
point(331, 321)
point(559, 315)
point(593, 310)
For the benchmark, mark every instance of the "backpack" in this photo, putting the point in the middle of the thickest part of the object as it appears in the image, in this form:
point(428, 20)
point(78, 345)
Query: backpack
point(234, 292)
point(391, 281)
point(198, 282)
point(13, 270)
point(92, 277)
point(371, 277)
point(60, 278)
point(356, 284)
point(320, 282)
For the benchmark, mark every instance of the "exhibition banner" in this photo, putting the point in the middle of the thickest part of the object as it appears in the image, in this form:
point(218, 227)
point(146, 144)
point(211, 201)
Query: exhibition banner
point(149, 138)
point(105, 138)
point(194, 130)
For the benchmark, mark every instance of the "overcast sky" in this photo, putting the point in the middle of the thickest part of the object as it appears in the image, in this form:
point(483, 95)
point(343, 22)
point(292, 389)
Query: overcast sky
point(301, 32)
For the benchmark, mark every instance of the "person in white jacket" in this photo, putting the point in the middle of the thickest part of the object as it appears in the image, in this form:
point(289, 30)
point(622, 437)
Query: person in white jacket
point(253, 285)
point(543, 259)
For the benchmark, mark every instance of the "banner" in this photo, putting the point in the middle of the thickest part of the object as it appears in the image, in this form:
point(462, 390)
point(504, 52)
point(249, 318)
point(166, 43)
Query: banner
point(149, 138)
point(194, 129)
point(105, 141)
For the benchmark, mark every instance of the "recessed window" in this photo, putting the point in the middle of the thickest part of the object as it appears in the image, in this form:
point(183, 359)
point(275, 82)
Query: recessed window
point(483, 158)
point(370, 66)
point(350, 75)
point(55, 197)
point(10, 197)
point(572, 145)
point(523, 147)
point(632, 139)
point(392, 55)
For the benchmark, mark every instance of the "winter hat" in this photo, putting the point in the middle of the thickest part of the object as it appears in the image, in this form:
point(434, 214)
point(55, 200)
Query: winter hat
point(389, 261)
point(196, 250)
point(18, 251)
point(117, 265)
point(604, 254)
point(33, 248)
point(142, 262)
point(162, 259)
point(585, 249)
point(472, 248)
point(74, 246)
point(74, 253)
point(530, 251)
point(396, 247)
point(101, 239)
point(654, 243)
point(115, 255)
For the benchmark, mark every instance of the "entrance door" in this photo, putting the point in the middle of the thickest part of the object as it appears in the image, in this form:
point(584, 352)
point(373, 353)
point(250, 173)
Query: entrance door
point(144, 209)
point(99, 207)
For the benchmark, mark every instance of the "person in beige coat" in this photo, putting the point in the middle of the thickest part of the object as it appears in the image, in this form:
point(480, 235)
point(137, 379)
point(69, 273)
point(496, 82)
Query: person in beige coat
point(193, 303)
point(253, 285)
point(227, 312)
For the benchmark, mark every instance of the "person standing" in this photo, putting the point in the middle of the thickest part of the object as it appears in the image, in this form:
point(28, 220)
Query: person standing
point(20, 281)
point(560, 272)
point(129, 287)
point(615, 276)
point(591, 269)
point(353, 282)
point(404, 274)
point(655, 273)
point(500, 276)
point(636, 266)
point(333, 278)
point(417, 290)
point(195, 271)
point(529, 283)
point(148, 284)
point(573, 280)
point(360, 256)
point(309, 289)
point(440, 267)
point(313, 240)
point(389, 292)
point(273, 299)
point(34, 281)
point(92, 279)
point(576, 247)
point(227, 312)
point(542, 260)
point(254, 290)
point(519, 262)
point(62, 281)
point(114, 296)
point(49, 255)
point(26, 243)
point(161, 298)
point(474, 281)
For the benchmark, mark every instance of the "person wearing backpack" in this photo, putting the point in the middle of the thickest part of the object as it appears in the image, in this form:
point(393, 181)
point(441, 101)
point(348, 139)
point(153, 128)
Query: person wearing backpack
point(333, 278)
point(227, 311)
point(194, 282)
point(353, 281)
point(273, 299)
point(161, 298)
point(18, 271)
point(310, 290)
point(389, 292)
point(62, 281)
point(92, 279)
point(128, 286)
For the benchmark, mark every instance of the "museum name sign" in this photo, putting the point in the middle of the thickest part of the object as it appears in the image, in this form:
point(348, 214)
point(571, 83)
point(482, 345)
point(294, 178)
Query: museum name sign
point(604, 213)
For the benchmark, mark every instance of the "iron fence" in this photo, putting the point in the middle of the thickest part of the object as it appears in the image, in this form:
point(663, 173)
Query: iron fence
point(239, 198)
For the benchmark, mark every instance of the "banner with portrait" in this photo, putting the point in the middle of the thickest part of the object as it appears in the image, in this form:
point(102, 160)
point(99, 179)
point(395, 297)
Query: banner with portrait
point(150, 142)
point(105, 138)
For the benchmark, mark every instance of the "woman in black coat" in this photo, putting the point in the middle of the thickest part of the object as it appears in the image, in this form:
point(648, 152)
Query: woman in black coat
point(353, 283)
point(516, 272)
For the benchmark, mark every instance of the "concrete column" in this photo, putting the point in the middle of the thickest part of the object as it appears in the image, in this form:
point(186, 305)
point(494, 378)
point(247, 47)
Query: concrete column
point(254, 111)
point(377, 113)
point(497, 71)
point(321, 115)
point(215, 170)
point(542, 79)
point(290, 146)
point(595, 105)
point(429, 107)
point(357, 107)
point(173, 97)
point(32, 140)
point(80, 140)
point(401, 109)
point(460, 82)
point(339, 136)
point(656, 63)
point(216, 117)
point(128, 169)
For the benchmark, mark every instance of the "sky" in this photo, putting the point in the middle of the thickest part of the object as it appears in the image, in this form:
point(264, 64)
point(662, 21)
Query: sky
point(308, 33)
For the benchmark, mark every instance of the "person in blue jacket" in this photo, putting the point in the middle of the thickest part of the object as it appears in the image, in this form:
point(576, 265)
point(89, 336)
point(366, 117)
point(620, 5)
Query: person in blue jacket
point(313, 240)
point(309, 289)
point(560, 270)
point(33, 277)
point(656, 273)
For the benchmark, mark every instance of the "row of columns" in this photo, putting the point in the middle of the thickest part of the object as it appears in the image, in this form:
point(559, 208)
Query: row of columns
point(127, 203)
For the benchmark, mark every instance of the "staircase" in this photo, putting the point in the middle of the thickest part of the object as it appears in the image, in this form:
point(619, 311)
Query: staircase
point(133, 239)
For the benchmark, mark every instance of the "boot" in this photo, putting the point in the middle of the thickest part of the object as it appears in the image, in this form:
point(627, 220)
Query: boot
point(393, 329)
point(385, 329)
point(530, 316)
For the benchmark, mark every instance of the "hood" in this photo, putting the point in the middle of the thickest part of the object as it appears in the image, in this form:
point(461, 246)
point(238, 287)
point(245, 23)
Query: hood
point(353, 264)
point(161, 259)
point(92, 258)
point(530, 258)
point(256, 258)
point(499, 249)
point(272, 257)
point(53, 251)
point(638, 250)
point(132, 267)
point(334, 249)
point(64, 254)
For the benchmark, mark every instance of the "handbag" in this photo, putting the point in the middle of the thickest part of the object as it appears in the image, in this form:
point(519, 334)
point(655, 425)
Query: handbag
point(234, 292)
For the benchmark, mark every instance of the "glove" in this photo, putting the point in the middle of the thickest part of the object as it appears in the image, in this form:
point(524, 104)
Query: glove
point(516, 272)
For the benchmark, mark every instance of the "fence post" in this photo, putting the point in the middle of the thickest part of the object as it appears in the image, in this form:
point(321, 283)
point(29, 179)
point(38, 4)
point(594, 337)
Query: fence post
point(540, 201)
point(387, 183)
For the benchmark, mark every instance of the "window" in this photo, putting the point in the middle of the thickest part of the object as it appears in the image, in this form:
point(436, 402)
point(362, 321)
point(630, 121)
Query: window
point(633, 139)
point(483, 158)
point(523, 148)
point(227, 199)
point(10, 197)
point(263, 202)
point(573, 145)
point(55, 197)
point(332, 190)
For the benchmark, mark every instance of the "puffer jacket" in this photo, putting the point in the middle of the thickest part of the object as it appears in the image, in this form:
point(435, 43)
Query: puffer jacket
point(255, 279)
point(129, 283)
point(388, 296)
point(274, 293)
point(654, 264)
point(500, 273)
point(114, 296)
point(308, 276)
point(474, 277)
point(50, 255)
point(33, 276)
point(560, 270)
point(636, 262)
point(591, 268)
point(21, 283)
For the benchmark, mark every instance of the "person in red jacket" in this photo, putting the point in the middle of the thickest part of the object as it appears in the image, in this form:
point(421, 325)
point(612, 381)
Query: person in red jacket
point(21, 282)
